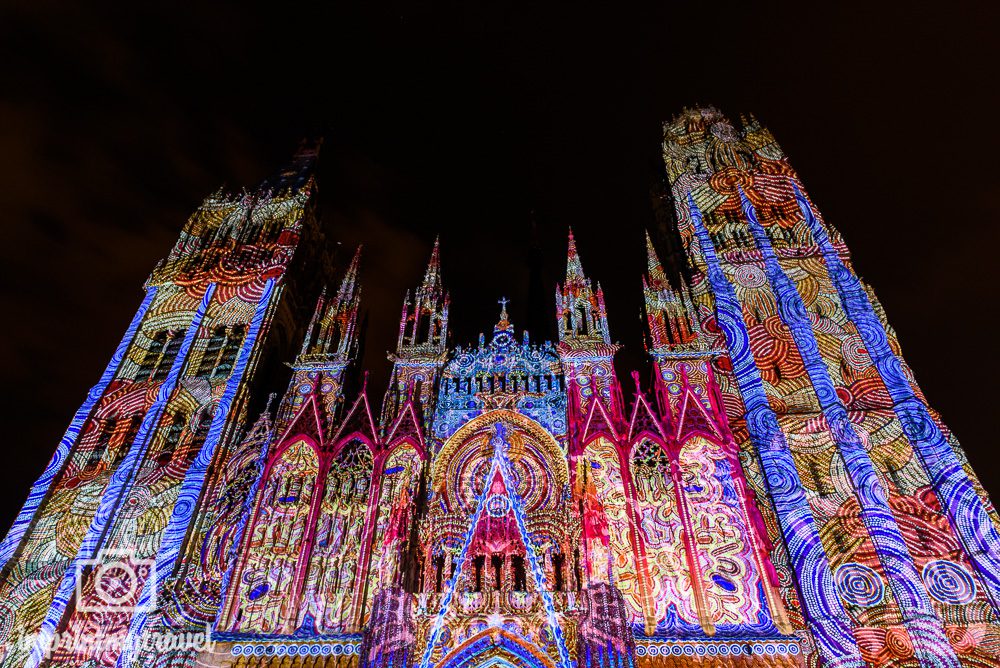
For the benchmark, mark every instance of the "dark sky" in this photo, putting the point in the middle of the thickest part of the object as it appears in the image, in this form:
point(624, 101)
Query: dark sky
point(464, 120)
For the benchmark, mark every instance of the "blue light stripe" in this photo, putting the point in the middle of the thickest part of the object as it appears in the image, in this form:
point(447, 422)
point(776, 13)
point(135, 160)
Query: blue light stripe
point(501, 463)
point(117, 489)
point(40, 489)
point(823, 611)
point(529, 547)
point(969, 518)
point(930, 644)
point(194, 480)
point(234, 549)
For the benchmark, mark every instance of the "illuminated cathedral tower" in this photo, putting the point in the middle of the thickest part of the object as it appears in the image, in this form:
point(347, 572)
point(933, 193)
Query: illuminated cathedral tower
point(122, 488)
point(779, 494)
point(885, 542)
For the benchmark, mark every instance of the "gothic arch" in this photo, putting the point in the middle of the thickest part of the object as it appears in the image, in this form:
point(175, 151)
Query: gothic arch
point(552, 450)
point(351, 438)
point(495, 648)
point(391, 516)
point(608, 539)
point(337, 531)
point(402, 444)
point(267, 578)
point(288, 442)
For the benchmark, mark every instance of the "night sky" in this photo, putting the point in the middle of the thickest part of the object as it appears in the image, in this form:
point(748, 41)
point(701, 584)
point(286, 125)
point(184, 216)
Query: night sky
point(483, 124)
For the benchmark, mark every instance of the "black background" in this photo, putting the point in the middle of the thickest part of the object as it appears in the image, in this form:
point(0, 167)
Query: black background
point(464, 120)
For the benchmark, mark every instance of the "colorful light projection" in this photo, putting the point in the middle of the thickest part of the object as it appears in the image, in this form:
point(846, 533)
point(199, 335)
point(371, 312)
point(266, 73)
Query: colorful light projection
point(784, 496)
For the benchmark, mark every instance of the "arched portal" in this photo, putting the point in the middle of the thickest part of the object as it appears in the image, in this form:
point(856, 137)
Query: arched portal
point(539, 463)
point(496, 648)
point(499, 526)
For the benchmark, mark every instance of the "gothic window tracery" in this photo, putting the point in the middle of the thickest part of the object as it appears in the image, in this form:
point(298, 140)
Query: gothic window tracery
point(103, 439)
point(152, 356)
point(334, 566)
point(722, 534)
point(661, 528)
point(267, 580)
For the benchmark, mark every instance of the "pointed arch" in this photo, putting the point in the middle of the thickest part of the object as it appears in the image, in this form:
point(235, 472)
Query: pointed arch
point(693, 418)
point(499, 479)
point(607, 535)
point(352, 439)
point(599, 423)
point(333, 559)
point(674, 589)
point(547, 444)
point(721, 532)
point(496, 648)
point(286, 443)
point(359, 421)
point(391, 517)
point(645, 422)
point(265, 583)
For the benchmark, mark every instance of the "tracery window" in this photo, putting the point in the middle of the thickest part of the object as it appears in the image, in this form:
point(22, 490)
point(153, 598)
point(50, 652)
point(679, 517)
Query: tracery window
point(210, 357)
point(662, 532)
point(220, 352)
point(152, 356)
point(170, 350)
point(134, 423)
point(97, 454)
point(172, 439)
point(232, 348)
point(266, 579)
point(334, 564)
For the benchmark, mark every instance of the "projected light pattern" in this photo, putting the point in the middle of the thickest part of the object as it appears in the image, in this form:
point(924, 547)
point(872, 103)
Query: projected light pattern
point(780, 495)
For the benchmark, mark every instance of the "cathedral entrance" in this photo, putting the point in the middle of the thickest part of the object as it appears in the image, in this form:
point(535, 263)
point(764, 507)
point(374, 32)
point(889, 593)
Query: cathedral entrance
point(498, 527)
point(496, 648)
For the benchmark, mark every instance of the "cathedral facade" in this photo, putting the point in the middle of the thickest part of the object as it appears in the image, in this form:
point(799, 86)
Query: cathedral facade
point(780, 494)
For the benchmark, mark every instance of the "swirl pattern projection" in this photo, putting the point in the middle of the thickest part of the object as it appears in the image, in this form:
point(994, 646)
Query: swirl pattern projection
point(780, 494)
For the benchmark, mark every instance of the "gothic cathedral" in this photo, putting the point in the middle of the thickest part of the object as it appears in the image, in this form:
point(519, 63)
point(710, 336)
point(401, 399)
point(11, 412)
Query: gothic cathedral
point(780, 494)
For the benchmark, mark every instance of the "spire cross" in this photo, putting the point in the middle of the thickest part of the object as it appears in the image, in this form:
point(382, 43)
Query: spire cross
point(503, 301)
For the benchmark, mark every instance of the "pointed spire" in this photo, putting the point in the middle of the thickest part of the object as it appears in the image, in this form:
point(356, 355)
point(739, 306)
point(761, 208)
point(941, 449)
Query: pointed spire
point(348, 285)
point(432, 277)
point(574, 269)
point(314, 322)
point(657, 278)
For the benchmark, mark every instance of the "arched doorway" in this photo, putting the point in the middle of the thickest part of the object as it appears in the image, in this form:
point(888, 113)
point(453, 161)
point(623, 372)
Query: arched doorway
point(496, 648)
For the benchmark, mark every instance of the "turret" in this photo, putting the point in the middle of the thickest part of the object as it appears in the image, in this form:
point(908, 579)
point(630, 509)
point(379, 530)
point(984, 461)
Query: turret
point(585, 347)
point(581, 316)
point(671, 314)
point(330, 345)
point(422, 344)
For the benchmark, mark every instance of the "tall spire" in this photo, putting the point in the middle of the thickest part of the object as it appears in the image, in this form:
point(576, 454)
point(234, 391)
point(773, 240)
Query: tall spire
point(657, 278)
point(672, 319)
point(331, 342)
point(579, 309)
point(422, 345)
point(574, 268)
point(349, 284)
point(432, 277)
